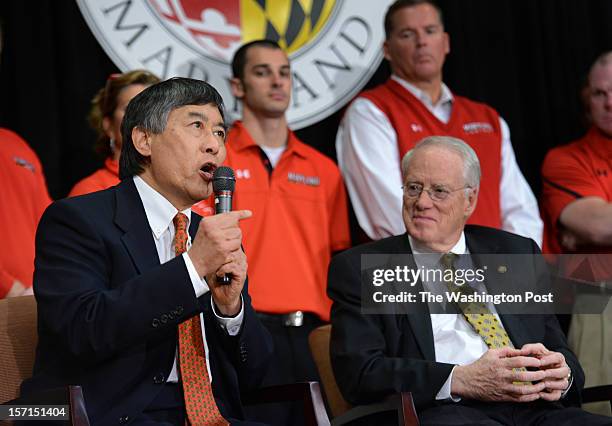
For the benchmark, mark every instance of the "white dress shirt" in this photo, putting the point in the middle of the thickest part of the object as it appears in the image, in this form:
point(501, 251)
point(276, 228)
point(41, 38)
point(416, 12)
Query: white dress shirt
point(455, 340)
point(160, 213)
point(368, 157)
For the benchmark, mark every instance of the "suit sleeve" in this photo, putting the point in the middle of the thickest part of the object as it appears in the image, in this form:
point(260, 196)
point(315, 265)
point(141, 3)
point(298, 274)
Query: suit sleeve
point(86, 302)
point(363, 364)
point(249, 351)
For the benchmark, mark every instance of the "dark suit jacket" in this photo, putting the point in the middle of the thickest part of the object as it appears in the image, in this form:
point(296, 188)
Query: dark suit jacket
point(108, 311)
point(374, 356)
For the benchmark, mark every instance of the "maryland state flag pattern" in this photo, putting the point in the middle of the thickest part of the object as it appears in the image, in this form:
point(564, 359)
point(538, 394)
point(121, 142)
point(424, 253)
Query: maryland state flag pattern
point(228, 23)
point(291, 23)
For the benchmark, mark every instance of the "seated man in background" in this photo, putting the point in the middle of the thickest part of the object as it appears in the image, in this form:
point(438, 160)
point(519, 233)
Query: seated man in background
point(459, 373)
point(129, 305)
point(299, 213)
point(577, 212)
point(382, 124)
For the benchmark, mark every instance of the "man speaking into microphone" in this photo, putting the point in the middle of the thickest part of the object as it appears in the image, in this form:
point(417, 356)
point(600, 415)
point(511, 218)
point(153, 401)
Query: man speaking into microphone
point(130, 305)
point(299, 213)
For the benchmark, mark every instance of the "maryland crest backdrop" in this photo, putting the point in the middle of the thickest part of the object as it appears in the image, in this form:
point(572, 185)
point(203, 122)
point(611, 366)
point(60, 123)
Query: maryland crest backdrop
point(526, 58)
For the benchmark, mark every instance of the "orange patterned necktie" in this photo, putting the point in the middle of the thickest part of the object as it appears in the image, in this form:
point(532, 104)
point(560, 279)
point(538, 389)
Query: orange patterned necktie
point(200, 403)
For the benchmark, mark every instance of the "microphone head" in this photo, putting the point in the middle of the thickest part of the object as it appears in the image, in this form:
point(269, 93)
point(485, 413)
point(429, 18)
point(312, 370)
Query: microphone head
point(224, 179)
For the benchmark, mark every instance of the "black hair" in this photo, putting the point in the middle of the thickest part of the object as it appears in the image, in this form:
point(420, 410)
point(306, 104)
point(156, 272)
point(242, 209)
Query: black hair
point(239, 59)
point(400, 4)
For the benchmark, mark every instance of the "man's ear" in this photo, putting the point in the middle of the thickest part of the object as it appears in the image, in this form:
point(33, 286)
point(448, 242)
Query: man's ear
point(237, 87)
point(386, 50)
point(447, 43)
point(142, 141)
point(471, 200)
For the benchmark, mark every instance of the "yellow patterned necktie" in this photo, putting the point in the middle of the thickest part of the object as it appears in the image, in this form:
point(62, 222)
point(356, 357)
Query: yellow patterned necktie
point(477, 314)
point(200, 402)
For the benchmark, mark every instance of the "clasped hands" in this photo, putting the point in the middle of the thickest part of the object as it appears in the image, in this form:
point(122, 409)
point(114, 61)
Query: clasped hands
point(216, 251)
point(493, 376)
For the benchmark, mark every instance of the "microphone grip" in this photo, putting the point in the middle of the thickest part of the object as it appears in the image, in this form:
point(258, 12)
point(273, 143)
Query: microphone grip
point(223, 204)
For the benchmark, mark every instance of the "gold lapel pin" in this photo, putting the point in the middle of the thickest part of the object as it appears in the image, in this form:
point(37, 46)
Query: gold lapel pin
point(502, 269)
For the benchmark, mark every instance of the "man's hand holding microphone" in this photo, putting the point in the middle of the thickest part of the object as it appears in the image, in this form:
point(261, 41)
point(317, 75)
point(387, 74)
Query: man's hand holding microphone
point(216, 251)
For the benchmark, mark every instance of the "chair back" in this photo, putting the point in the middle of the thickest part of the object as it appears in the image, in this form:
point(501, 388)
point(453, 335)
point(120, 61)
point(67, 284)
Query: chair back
point(18, 339)
point(319, 346)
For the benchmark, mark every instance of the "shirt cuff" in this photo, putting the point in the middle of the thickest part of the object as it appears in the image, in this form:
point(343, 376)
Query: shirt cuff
point(568, 386)
point(444, 393)
point(230, 324)
point(199, 284)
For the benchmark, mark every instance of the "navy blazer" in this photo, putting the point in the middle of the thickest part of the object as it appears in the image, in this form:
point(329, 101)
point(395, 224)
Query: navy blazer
point(374, 356)
point(108, 311)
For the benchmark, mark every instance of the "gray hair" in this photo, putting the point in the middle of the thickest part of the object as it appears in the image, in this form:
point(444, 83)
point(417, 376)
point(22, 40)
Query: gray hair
point(471, 165)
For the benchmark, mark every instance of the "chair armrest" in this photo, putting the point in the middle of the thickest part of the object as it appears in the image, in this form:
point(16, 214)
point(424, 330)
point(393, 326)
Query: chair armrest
point(308, 392)
point(597, 394)
point(78, 412)
point(401, 402)
point(66, 395)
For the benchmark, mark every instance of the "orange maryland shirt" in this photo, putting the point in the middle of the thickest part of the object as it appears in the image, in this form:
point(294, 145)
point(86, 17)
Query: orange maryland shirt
point(23, 199)
point(299, 219)
point(101, 179)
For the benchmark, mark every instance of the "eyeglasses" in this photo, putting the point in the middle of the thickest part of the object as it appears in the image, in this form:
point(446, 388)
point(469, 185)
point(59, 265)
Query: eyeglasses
point(435, 192)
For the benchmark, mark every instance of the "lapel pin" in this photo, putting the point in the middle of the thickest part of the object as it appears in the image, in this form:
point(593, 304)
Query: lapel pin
point(502, 269)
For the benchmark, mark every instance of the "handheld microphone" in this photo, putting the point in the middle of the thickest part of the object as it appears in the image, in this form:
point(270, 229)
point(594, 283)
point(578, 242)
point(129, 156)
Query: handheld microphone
point(224, 183)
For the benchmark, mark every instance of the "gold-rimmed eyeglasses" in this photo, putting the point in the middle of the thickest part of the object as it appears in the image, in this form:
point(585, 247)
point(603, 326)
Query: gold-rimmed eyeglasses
point(435, 192)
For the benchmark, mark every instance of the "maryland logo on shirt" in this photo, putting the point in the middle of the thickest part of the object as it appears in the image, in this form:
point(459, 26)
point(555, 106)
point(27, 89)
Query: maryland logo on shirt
point(305, 180)
point(477, 127)
point(24, 163)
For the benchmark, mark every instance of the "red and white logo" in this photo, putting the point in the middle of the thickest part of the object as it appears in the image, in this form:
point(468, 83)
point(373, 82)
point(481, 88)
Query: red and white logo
point(334, 45)
point(243, 174)
point(212, 27)
point(416, 128)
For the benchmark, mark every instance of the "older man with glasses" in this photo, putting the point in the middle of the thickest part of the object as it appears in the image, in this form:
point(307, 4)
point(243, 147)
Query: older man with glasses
point(478, 365)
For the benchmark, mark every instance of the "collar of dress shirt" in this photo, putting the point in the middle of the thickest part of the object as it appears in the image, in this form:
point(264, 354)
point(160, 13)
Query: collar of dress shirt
point(446, 95)
point(159, 210)
point(459, 248)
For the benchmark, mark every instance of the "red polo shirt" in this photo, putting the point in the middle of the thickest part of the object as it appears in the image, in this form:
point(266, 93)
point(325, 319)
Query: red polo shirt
point(580, 169)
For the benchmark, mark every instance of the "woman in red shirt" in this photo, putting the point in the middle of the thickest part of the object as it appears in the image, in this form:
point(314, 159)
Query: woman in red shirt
point(107, 109)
